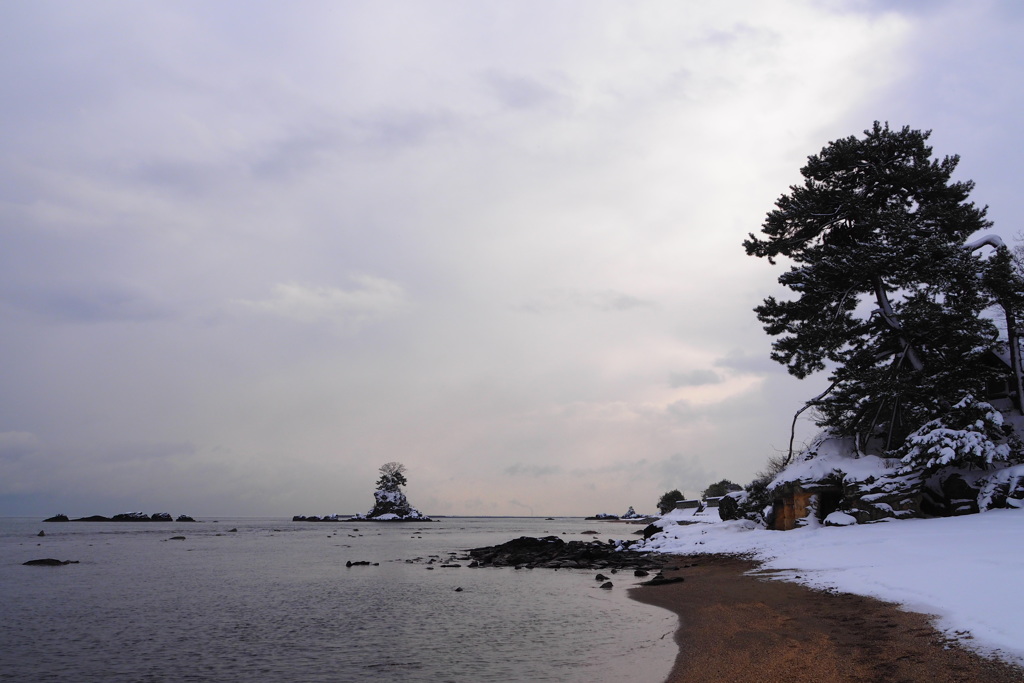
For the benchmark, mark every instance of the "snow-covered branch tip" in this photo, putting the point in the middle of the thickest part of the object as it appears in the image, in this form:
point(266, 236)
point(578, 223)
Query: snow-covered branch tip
point(994, 241)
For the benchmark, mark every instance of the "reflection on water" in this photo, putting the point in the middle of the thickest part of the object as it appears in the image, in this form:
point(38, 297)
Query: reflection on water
point(275, 601)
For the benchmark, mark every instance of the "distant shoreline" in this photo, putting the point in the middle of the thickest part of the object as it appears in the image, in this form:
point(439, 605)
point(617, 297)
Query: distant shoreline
point(737, 626)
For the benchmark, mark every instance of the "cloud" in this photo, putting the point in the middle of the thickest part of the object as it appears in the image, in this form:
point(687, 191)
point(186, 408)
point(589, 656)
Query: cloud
point(371, 299)
point(85, 303)
point(694, 378)
point(607, 301)
point(518, 469)
point(685, 412)
point(519, 92)
point(14, 445)
point(742, 361)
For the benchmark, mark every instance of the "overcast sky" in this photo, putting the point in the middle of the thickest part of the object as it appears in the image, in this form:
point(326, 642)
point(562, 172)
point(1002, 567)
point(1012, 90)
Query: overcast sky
point(250, 251)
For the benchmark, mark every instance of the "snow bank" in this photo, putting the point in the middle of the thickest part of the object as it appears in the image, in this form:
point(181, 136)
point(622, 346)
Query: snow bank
point(964, 570)
point(831, 455)
point(707, 515)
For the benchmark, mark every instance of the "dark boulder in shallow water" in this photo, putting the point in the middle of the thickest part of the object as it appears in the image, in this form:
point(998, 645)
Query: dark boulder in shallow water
point(554, 553)
point(660, 580)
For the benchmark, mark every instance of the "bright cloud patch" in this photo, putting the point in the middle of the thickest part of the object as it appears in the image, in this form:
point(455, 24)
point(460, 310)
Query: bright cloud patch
point(371, 299)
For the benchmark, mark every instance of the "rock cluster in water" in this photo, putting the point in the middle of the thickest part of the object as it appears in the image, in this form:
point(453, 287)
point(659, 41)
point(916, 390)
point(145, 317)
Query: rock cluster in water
point(124, 517)
point(551, 552)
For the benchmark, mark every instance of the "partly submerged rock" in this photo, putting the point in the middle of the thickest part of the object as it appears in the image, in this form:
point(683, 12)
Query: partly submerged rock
point(661, 580)
point(551, 552)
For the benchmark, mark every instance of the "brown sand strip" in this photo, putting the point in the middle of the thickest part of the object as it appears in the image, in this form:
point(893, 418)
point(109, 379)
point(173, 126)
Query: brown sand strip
point(741, 628)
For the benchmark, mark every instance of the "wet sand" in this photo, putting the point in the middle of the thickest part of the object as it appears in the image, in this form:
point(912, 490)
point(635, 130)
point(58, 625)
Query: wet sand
point(735, 627)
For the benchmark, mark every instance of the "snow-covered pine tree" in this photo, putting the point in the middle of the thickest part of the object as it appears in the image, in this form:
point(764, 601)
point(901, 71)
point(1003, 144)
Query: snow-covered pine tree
point(886, 293)
point(970, 435)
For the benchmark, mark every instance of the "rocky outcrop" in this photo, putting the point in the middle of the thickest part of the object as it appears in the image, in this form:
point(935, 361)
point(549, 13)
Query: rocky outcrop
point(1001, 489)
point(138, 517)
point(325, 518)
point(391, 505)
point(831, 477)
point(632, 514)
point(123, 517)
point(551, 552)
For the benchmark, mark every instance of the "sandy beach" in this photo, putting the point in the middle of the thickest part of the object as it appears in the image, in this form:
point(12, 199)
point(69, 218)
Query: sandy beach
point(738, 627)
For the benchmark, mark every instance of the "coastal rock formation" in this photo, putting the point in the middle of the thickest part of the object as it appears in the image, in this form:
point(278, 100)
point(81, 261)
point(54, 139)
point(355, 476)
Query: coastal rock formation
point(123, 517)
point(390, 503)
point(551, 552)
point(325, 518)
point(632, 514)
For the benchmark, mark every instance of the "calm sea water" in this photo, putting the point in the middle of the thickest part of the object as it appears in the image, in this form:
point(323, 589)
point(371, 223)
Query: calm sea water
point(274, 601)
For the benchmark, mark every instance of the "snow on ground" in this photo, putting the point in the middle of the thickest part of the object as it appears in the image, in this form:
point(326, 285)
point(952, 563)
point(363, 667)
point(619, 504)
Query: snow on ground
point(967, 571)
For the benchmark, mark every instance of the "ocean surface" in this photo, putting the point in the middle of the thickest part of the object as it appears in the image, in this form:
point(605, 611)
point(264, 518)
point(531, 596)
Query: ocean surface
point(272, 600)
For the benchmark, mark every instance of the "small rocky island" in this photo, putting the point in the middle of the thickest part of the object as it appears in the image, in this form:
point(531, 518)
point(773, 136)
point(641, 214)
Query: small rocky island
point(124, 517)
point(390, 503)
point(607, 517)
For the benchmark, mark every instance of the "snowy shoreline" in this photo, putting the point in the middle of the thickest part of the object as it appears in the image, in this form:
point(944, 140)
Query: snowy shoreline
point(964, 572)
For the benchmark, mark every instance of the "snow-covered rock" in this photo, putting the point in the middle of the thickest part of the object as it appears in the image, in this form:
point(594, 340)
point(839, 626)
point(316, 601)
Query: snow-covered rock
point(838, 518)
point(391, 505)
